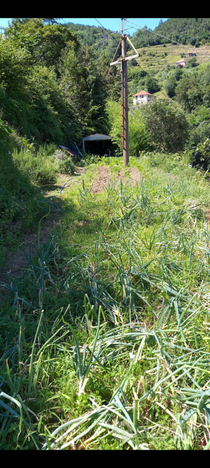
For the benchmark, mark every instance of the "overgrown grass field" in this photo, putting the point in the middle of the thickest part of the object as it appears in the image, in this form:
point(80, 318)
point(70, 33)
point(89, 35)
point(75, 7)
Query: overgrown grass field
point(105, 336)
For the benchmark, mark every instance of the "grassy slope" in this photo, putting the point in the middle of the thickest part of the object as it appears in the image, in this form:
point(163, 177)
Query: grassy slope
point(138, 259)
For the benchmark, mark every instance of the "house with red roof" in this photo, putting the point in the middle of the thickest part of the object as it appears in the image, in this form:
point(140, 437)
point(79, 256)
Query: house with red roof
point(143, 97)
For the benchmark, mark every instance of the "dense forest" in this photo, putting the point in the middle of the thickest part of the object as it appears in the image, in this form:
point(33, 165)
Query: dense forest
point(195, 31)
point(51, 87)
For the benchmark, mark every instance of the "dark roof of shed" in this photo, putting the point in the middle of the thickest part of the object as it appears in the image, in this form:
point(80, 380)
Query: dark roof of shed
point(97, 136)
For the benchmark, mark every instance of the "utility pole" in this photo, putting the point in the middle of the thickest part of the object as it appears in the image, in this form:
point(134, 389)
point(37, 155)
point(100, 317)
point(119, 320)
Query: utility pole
point(123, 60)
point(125, 143)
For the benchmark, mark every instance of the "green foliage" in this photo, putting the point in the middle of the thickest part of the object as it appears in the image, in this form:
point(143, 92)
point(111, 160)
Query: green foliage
point(44, 42)
point(97, 36)
point(36, 166)
point(19, 199)
point(192, 63)
point(151, 84)
point(186, 30)
point(51, 88)
point(138, 137)
point(169, 86)
point(188, 92)
point(66, 165)
point(178, 72)
point(166, 125)
point(83, 82)
point(143, 38)
point(113, 110)
point(201, 155)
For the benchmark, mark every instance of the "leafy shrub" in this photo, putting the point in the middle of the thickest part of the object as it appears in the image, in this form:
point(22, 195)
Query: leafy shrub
point(201, 155)
point(138, 137)
point(38, 167)
point(91, 159)
point(166, 125)
point(66, 165)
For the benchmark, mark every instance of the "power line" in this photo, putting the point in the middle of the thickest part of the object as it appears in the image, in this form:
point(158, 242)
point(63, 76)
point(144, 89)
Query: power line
point(149, 30)
point(110, 34)
point(139, 27)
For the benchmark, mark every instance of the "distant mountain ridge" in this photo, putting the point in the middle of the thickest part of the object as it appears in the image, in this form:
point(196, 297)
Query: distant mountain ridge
point(192, 31)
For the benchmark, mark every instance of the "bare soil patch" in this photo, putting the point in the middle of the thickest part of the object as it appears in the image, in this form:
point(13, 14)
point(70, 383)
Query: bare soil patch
point(104, 178)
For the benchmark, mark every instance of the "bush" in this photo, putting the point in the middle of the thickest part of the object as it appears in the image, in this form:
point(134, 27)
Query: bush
point(201, 155)
point(66, 165)
point(36, 166)
point(166, 125)
point(138, 136)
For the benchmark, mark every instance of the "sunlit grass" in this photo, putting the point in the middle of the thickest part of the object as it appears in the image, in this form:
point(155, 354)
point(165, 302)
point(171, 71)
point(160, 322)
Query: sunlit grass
point(105, 335)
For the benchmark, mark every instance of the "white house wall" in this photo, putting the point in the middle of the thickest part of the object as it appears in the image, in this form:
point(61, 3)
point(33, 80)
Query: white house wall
point(143, 100)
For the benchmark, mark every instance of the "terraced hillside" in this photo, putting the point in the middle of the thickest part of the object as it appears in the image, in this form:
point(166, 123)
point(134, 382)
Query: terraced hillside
point(155, 58)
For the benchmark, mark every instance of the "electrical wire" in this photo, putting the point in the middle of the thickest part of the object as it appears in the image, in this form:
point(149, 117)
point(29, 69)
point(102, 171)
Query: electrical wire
point(149, 30)
point(156, 34)
point(110, 34)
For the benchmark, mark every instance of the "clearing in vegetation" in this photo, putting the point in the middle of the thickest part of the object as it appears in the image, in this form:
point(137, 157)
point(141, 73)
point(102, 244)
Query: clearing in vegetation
point(104, 333)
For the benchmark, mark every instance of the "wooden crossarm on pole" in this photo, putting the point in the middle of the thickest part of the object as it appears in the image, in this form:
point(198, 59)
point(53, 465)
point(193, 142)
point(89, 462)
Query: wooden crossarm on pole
point(125, 58)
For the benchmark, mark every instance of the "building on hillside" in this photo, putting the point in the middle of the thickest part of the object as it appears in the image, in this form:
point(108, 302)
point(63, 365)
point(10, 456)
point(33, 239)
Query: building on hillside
point(181, 63)
point(143, 97)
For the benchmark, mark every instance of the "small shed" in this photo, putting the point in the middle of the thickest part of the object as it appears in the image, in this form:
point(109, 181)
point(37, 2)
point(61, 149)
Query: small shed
point(96, 144)
point(181, 63)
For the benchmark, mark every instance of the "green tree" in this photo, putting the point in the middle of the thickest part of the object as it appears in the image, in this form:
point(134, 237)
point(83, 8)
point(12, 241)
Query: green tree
point(192, 63)
point(138, 137)
point(188, 93)
point(45, 42)
point(151, 85)
point(178, 73)
point(166, 125)
point(85, 88)
point(113, 111)
point(170, 86)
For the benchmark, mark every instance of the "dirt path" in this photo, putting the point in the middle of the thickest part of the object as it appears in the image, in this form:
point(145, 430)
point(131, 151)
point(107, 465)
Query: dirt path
point(16, 261)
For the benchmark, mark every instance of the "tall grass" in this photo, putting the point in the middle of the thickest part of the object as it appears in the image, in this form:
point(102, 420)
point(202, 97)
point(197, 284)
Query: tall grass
point(41, 165)
point(105, 342)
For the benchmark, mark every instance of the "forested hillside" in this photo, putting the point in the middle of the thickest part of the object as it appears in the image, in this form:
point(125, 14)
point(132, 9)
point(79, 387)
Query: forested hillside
point(102, 39)
point(195, 31)
point(51, 87)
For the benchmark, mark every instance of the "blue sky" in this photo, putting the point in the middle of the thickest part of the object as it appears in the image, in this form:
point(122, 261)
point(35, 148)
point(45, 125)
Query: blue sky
point(113, 24)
